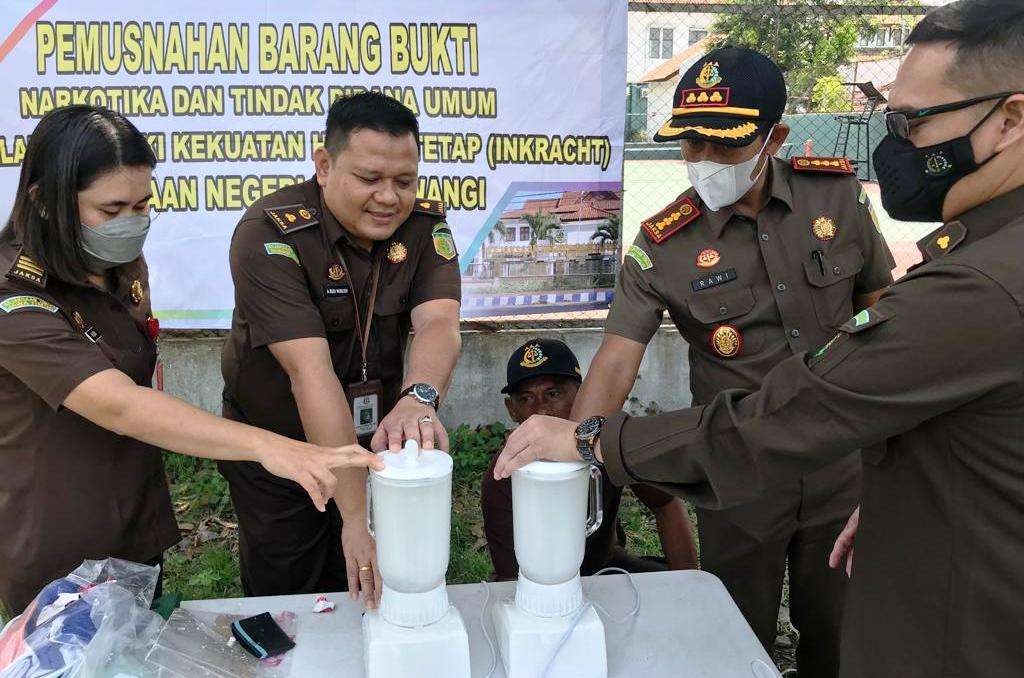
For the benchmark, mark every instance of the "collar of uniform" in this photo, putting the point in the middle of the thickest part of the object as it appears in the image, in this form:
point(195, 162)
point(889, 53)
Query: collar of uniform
point(986, 219)
point(974, 224)
point(778, 189)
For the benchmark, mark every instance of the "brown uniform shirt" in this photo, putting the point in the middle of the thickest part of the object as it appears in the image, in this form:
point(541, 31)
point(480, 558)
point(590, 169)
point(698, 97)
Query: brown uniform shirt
point(284, 289)
point(69, 489)
point(780, 285)
point(934, 370)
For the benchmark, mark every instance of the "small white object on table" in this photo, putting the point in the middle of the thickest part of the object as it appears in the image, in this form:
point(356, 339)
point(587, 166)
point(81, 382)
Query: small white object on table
point(688, 627)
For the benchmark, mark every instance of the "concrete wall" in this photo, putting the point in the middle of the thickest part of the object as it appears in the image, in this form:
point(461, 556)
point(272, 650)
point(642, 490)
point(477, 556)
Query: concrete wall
point(192, 371)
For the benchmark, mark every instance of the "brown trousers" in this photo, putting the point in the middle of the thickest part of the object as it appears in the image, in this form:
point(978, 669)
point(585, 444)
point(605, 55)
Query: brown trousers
point(747, 547)
point(285, 545)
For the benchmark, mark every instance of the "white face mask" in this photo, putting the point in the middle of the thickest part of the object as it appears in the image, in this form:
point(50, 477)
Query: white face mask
point(720, 185)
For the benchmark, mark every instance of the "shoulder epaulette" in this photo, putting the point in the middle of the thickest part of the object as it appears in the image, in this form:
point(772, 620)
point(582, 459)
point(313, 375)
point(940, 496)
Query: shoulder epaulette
point(434, 208)
point(25, 268)
point(822, 165)
point(292, 218)
point(668, 221)
point(943, 241)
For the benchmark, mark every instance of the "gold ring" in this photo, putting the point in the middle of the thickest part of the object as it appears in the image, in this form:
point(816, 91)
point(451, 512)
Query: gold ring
point(365, 568)
point(427, 419)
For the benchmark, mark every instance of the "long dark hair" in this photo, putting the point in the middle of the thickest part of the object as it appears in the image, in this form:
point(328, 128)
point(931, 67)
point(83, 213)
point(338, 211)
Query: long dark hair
point(68, 150)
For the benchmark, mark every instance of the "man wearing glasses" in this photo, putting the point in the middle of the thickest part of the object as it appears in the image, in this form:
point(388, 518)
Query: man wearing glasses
point(933, 370)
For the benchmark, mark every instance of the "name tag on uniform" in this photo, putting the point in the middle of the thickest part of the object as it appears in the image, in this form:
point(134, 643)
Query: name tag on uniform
point(364, 400)
point(334, 291)
point(713, 279)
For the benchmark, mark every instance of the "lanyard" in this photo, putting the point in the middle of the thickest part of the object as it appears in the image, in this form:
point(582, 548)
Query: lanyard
point(362, 334)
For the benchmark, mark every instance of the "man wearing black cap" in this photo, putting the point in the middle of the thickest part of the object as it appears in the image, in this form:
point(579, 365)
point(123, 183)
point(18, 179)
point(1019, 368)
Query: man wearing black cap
point(758, 261)
point(543, 378)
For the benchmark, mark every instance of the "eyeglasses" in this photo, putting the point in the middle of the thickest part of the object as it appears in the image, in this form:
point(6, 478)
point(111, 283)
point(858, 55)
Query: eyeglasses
point(898, 122)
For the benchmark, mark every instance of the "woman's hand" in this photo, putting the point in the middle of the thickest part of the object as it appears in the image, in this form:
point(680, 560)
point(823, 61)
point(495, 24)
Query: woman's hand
point(311, 466)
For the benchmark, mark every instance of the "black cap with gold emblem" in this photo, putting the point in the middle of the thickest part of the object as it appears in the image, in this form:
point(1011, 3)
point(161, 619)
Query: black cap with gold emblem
point(727, 97)
point(541, 357)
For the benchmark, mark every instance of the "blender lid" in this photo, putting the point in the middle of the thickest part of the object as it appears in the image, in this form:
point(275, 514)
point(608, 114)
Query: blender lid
point(552, 469)
point(413, 463)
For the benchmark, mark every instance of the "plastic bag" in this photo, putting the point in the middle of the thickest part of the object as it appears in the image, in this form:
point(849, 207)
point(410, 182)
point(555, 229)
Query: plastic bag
point(84, 624)
point(200, 645)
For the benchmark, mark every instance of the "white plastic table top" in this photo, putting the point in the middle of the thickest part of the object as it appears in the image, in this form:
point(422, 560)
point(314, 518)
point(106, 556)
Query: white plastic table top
point(688, 627)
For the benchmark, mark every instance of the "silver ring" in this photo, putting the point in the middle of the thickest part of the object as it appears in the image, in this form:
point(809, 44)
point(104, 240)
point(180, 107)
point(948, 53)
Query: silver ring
point(426, 419)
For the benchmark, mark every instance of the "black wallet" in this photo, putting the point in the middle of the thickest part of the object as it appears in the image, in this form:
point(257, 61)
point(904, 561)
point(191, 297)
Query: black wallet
point(261, 636)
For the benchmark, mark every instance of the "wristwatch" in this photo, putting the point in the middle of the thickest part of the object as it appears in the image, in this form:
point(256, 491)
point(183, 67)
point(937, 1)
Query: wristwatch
point(587, 434)
point(425, 393)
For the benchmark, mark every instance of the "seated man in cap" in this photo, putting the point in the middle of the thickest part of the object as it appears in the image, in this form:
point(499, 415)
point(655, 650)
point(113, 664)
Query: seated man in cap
point(760, 260)
point(543, 377)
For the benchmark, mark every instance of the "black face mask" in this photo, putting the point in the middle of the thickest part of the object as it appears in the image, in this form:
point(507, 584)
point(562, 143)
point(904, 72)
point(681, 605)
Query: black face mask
point(914, 181)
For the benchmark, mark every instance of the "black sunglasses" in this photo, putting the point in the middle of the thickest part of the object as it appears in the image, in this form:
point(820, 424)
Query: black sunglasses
point(898, 122)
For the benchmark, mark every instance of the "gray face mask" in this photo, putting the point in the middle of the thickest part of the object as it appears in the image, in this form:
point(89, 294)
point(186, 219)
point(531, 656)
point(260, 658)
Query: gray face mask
point(115, 242)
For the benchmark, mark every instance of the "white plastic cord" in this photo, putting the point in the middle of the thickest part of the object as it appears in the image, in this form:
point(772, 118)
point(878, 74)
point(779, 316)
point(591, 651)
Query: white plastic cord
point(579, 615)
point(487, 635)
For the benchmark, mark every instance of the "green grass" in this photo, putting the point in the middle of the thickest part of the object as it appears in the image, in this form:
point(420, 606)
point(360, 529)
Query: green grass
point(205, 563)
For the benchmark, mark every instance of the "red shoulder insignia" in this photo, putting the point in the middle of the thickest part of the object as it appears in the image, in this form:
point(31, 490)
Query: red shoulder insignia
point(666, 222)
point(822, 165)
point(291, 218)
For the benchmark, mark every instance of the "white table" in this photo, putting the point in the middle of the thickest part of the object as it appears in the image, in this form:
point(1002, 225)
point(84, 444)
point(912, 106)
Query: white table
point(687, 627)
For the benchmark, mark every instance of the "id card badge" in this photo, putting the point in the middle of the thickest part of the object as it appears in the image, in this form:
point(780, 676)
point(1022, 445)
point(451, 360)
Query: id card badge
point(365, 401)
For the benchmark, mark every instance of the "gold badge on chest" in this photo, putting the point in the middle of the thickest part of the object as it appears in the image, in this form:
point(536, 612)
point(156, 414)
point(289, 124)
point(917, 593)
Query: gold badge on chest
point(137, 292)
point(397, 253)
point(335, 272)
point(824, 228)
point(726, 341)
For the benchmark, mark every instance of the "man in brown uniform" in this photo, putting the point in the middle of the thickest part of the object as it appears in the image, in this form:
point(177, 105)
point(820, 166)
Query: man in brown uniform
point(933, 370)
point(543, 377)
point(330, 276)
point(757, 262)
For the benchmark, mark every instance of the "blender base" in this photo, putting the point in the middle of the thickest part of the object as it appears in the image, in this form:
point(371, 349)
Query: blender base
point(526, 644)
point(440, 649)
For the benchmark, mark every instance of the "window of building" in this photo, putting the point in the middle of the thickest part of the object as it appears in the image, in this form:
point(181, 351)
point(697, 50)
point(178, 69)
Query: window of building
point(660, 43)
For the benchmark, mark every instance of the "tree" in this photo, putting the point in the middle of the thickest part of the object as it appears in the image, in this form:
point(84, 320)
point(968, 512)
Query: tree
point(498, 233)
point(808, 40)
point(543, 226)
point(609, 230)
point(830, 96)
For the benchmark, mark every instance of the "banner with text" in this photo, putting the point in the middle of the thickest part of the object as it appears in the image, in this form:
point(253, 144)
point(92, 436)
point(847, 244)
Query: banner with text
point(520, 104)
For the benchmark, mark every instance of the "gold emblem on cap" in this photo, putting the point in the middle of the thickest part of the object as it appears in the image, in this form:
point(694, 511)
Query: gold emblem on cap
point(397, 253)
point(709, 75)
point(533, 356)
point(726, 341)
point(335, 272)
point(824, 228)
point(136, 292)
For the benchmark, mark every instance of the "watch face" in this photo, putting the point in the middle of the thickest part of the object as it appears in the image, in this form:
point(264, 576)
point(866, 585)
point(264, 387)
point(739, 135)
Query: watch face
point(425, 392)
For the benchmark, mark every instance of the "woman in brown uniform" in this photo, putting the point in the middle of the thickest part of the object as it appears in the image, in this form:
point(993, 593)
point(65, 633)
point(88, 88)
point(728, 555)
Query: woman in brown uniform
point(80, 428)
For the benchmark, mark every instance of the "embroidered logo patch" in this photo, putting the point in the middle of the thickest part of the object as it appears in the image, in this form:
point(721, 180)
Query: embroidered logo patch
point(640, 257)
point(281, 249)
point(11, 304)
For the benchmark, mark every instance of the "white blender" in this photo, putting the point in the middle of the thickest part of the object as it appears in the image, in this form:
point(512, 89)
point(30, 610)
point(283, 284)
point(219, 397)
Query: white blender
point(416, 632)
point(552, 518)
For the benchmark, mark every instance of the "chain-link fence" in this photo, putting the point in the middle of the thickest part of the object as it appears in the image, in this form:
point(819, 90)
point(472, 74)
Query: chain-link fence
point(554, 254)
